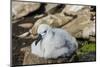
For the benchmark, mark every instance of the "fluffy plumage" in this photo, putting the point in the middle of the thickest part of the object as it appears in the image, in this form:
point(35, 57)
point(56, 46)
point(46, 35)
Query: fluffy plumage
point(54, 42)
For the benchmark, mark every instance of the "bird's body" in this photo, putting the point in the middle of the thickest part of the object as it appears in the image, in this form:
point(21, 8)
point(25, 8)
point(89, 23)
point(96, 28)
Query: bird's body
point(56, 42)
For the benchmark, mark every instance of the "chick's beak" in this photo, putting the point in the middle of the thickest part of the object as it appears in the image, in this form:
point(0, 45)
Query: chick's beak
point(38, 39)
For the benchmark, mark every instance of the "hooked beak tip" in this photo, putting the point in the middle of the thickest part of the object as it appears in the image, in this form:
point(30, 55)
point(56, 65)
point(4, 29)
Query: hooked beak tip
point(38, 39)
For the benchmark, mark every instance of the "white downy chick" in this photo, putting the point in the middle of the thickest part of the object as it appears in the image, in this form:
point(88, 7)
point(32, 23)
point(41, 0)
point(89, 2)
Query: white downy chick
point(53, 42)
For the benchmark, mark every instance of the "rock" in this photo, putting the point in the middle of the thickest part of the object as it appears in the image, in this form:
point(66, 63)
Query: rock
point(23, 35)
point(26, 25)
point(77, 25)
point(27, 35)
point(82, 26)
point(30, 58)
point(56, 20)
point(20, 9)
point(18, 20)
point(39, 16)
point(89, 31)
point(51, 8)
point(72, 8)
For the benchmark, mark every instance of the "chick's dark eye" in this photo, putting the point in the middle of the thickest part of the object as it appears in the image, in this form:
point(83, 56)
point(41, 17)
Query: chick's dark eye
point(45, 31)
